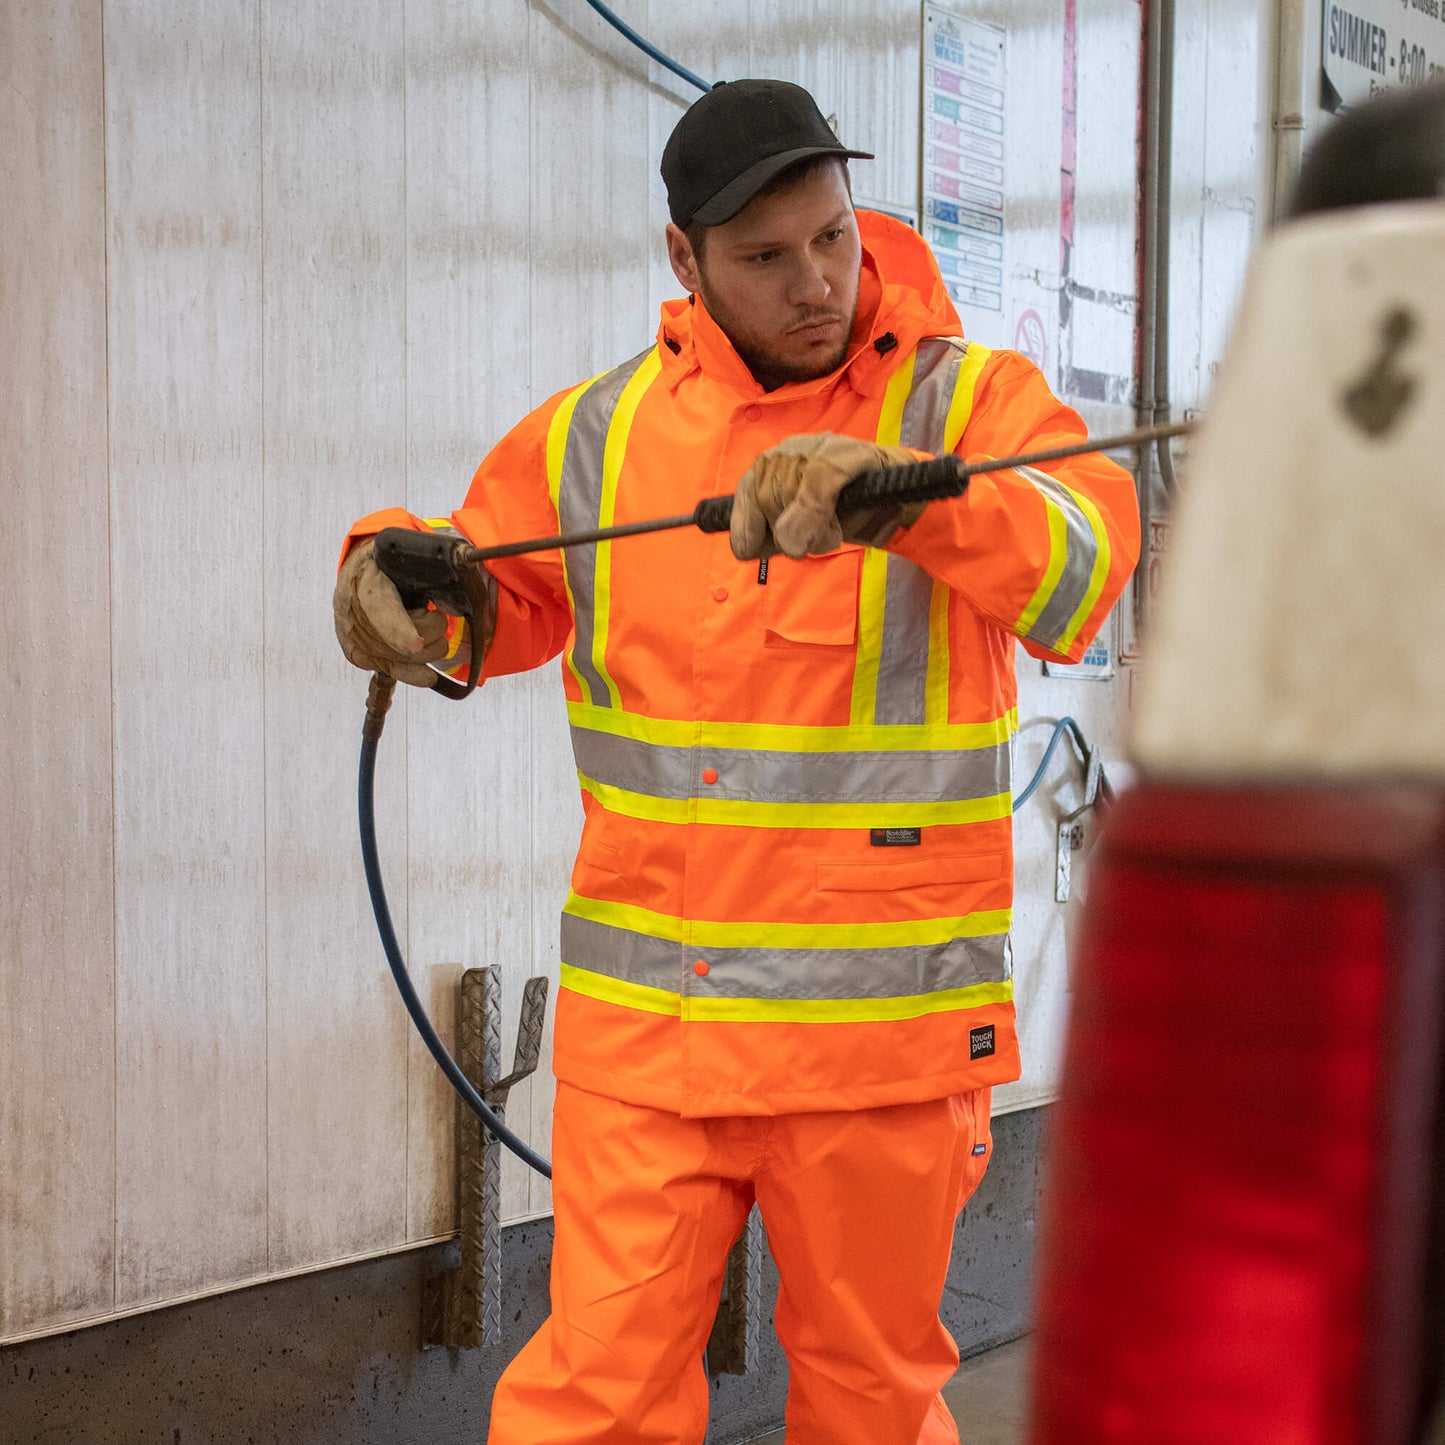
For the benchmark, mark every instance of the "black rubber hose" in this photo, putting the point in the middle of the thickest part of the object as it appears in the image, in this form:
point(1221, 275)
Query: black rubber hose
point(366, 814)
point(647, 47)
point(1063, 724)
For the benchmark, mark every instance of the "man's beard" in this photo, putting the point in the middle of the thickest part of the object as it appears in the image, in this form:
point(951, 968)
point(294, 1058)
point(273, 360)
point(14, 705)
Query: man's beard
point(769, 369)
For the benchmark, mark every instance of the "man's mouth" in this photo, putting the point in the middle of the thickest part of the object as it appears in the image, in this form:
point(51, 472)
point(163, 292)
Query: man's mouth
point(816, 327)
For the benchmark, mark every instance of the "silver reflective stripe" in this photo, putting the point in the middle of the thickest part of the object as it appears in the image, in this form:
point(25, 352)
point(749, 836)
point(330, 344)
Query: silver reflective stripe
point(579, 505)
point(935, 378)
point(903, 659)
point(1080, 554)
point(767, 776)
point(784, 973)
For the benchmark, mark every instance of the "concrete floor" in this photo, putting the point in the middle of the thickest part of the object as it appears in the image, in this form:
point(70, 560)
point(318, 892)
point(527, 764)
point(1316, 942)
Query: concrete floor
point(986, 1397)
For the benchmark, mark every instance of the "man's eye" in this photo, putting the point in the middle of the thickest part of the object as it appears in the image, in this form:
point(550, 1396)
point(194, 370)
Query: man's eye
point(763, 257)
point(830, 237)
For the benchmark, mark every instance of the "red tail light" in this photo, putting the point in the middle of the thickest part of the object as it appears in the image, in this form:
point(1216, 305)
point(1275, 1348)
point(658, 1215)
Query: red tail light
point(1235, 1216)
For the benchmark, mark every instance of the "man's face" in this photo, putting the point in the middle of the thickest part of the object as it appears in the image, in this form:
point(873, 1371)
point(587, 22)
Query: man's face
point(781, 278)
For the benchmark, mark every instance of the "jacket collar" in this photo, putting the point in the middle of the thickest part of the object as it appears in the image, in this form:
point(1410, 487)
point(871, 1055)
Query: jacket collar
point(901, 296)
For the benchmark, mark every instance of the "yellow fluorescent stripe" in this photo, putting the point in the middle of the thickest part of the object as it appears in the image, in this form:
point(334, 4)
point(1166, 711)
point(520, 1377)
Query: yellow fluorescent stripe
point(613, 454)
point(788, 738)
point(1058, 552)
point(744, 813)
point(918, 932)
point(844, 1010)
point(1097, 578)
point(935, 697)
point(616, 990)
point(960, 409)
point(872, 594)
point(900, 384)
point(557, 430)
point(780, 1010)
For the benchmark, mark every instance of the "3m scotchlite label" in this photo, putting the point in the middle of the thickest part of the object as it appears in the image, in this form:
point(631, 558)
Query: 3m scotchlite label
point(759, 775)
point(1078, 565)
point(579, 497)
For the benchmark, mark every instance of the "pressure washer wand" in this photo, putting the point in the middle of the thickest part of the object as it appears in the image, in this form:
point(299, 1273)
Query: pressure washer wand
point(928, 481)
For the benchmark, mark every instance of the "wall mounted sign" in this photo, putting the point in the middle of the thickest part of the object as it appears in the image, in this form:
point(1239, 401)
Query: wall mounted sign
point(963, 160)
point(1373, 45)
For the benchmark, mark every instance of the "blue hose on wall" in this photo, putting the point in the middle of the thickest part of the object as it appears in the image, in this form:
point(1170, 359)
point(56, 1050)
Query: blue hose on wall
point(647, 47)
point(366, 813)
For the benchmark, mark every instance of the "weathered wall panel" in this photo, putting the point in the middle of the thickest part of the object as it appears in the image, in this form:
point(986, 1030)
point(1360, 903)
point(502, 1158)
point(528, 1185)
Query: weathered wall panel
point(335, 215)
point(468, 345)
point(878, 94)
point(183, 201)
point(57, 1005)
point(349, 247)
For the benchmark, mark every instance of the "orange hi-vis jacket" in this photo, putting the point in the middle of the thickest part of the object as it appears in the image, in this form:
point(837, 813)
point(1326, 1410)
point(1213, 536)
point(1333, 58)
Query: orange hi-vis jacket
point(794, 883)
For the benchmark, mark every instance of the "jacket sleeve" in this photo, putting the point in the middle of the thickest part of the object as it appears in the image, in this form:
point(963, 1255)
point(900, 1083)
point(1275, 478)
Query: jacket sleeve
point(508, 501)
point(1043, 553)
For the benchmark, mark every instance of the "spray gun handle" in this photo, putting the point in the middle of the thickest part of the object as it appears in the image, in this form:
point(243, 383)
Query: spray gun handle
point(432, 567)
point(425, 566)
point(913, 482)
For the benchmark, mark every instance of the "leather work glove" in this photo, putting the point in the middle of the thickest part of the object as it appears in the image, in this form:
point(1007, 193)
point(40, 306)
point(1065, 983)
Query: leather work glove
point(376, 632)
point(786, 501)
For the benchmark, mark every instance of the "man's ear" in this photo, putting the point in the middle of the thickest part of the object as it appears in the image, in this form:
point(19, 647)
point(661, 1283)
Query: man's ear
point(684, 261)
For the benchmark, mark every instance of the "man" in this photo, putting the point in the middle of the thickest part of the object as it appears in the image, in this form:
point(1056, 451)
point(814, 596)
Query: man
point(785, 974)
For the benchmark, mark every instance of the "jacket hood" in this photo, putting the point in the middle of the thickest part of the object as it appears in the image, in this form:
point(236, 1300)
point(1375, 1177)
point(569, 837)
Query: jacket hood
point(900, 284)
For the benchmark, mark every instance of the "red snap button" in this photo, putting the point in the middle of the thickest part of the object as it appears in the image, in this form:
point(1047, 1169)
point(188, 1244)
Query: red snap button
point(753, 413)
point(700, 968)
point(719, 594)
point(709, 775)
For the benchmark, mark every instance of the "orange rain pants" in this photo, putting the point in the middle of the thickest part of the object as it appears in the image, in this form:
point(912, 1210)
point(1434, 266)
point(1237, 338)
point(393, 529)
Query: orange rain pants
point(859, 1209)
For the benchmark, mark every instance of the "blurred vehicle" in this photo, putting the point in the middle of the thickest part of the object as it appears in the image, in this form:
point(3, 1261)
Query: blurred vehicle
point(1243, 1231)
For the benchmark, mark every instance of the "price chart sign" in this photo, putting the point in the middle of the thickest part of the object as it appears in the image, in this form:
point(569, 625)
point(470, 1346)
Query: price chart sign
point(963, 158)
point(1375, 45)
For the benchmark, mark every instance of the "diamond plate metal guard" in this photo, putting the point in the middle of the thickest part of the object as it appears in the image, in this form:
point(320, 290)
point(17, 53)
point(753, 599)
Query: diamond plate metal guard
point(462, 1308)
point(732, 1348)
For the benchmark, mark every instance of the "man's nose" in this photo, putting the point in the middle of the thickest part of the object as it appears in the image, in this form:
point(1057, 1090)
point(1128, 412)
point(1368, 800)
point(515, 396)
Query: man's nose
point(810, 286)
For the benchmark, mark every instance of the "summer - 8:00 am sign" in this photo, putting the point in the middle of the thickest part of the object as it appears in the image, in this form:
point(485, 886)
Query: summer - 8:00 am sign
point(1374, 45)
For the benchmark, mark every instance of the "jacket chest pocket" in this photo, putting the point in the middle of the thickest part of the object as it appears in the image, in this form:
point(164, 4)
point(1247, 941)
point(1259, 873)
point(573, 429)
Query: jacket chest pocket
point(813, 602)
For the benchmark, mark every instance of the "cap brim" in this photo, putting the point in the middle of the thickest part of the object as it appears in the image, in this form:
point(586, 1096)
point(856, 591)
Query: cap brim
point(723, 205)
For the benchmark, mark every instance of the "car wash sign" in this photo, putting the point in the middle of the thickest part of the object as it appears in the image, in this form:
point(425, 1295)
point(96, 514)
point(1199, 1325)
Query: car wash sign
point(1375, 45)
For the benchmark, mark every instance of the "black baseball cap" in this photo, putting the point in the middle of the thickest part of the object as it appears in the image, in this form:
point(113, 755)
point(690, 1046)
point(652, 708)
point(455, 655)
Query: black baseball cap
point(734, 140)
